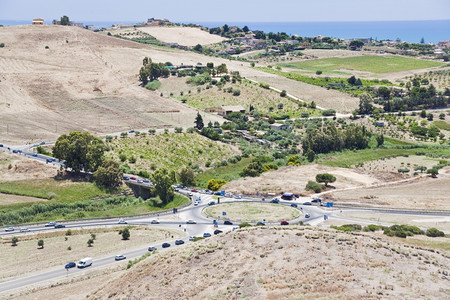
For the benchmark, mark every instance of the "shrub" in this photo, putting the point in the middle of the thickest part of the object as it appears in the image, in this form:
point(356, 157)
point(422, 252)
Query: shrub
point(372, 227)
point(264, 85)
point(236, 92)
point(14, 240)
point(314, 186)
point(244, 224)
point(328, 112)
point(153, 85)
point(318, 72)
point(69, 232)
point(434, 232)
point(283, 93)
point(2, 45)
point(348, 227)
point(125, 233)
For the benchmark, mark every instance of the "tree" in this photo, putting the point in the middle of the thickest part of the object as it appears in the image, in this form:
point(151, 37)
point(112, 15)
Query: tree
point(90, 242)
point(356, 44)
point(310, 155)
point(253, 169)
point(225, 28)
point(187, 177)
point(199, 122)
point(81, 151)
point(198, 48)
point(351, 80)
point(65, 20)
point(108, 175)
point(215, 184)
point(93, 236)
point(222, 68)
point(420, 168)
point(283, 93)
point(365, 104)
point(433, 172)
point(163, 185)
point(380, 140)
point(41, 244)
point(125, 233)
point(430, 117)
point(384, 92)
point(294, 160)
point(14, 241)
point(325, 178)
point(423, 114)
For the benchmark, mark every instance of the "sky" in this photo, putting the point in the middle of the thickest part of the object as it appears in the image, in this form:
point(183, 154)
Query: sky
point(227, 10)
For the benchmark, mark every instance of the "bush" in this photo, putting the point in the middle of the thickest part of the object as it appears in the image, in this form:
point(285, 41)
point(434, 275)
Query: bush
point(2, 45)
point(264, 85)
point(244, 224)
point(283, 93)
point(348, 227)
point(314, 186)
point(125, 233)
point(328, 112)
point(153, 85)
point(236, 92)
point(434, 232)
point(372, 228)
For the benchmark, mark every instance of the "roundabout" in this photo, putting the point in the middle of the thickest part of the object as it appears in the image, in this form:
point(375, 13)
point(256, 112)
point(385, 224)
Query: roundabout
point(252, 212)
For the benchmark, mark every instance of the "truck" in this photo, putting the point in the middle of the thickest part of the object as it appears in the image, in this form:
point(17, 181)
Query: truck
point(85, 262)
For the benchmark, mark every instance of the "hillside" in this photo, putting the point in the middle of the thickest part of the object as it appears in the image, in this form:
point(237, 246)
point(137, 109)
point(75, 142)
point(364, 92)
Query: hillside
point(79, 80)
point(286, 263)
point(186, 36)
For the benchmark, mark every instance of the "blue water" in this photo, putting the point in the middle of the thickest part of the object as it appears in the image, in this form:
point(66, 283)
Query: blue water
point(408, 31)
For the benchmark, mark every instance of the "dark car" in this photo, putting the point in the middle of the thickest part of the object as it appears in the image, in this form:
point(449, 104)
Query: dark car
point(227, 222)
point(71, 265)
point(206, 234)
point(34, 155)
point(217, 231)
point(316, 200)
point(294, 205)
point(275, 201)
point(165, 245)
point(125, 177)
point(211, 203)
point(307, 203)
point(284, 222)
point(179, 242)
point(60, 226)
point(1, 145)
point(151, 249)
point(260, 224)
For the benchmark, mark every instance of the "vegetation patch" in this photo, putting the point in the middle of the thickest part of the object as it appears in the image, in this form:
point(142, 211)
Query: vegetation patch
point(366, 63)
point(442, 125)
point(173, 151)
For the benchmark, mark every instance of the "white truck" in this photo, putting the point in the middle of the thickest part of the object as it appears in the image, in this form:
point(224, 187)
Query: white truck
point(85, 262)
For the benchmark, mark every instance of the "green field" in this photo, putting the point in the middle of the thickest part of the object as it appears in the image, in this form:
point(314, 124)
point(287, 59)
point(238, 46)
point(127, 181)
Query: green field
point(51, 188)
point(173, 151)
point(366, 63)
point(58, 210)
point(442, 125)
point(348, 158)
point(227, 173)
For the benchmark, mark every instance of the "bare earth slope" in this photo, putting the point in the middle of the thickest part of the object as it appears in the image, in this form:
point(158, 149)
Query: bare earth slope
point(186, 36)
point(83, 81)
point(286, 263)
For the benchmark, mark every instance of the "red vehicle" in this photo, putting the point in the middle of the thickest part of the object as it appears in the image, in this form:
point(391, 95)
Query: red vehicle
point(284, 222)
point(132, 178)
point(194, 190)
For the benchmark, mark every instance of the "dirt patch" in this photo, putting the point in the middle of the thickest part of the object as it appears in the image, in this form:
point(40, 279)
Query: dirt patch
point(17, 167)
point(320, 263)
point(425, 192)
point(294, 179)
point(185, 36)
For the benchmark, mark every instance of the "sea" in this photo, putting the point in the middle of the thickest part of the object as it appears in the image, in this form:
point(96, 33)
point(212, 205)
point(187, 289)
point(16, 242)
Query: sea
point(407, 31)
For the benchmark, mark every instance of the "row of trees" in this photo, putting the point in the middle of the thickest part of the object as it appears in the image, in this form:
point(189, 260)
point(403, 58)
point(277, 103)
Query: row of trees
point(331, 138)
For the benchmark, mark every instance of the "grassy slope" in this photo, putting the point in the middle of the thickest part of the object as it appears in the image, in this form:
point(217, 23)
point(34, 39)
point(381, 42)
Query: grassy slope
point(442, 125)
point(228, 173)
point(50, 188)
point(172, 151)
point(251, 94)
point(367, 63)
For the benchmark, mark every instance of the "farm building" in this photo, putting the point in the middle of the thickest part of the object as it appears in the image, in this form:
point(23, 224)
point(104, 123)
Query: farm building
point(226, 110)
point(37, 21)
point(277, 126)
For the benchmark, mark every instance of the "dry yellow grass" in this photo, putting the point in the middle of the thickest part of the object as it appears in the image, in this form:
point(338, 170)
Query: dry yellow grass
point(286, 263)
point(186, 36)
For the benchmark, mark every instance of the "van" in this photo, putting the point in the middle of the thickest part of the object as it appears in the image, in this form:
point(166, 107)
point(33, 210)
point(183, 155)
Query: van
point(85, 262)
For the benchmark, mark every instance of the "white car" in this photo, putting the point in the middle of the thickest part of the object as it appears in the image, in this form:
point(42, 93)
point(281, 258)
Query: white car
point(307, 215)
point(190, 221)
point(24, 229)
point(120, 257)
point(154, 221)
point(9, 229)
point(191, 238)
point(122, 221)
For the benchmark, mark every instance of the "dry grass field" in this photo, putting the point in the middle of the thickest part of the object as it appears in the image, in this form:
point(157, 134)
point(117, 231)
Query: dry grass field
point(26, 258)
point(186, 36)
point(287, 263)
